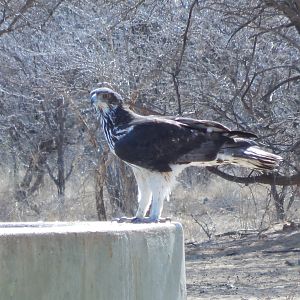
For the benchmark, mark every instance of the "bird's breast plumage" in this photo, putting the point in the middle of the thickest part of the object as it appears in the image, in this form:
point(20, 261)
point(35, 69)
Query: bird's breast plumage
point(115, 125)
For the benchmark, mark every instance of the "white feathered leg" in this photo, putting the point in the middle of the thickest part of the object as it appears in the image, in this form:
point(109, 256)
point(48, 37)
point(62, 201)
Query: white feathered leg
point(161, 185)
point(152, 185)
point(157, 205)
point(144, 195)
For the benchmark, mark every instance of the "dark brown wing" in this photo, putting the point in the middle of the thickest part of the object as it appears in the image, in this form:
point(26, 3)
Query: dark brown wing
point(213, 127)
point(155, 143)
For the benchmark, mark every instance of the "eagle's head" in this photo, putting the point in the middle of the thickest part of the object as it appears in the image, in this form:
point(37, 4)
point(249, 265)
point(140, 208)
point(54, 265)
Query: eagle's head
point(105, 98)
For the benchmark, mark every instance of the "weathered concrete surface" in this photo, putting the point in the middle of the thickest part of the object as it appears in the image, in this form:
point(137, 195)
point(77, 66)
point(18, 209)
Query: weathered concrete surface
point(91, 260)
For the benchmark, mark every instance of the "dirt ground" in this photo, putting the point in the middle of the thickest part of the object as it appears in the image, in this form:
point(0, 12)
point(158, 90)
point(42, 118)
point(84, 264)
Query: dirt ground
point(255, 266)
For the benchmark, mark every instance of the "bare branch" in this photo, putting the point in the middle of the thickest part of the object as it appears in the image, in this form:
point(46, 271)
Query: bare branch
point(28, 4)
point(280, 84)
point(265, 178)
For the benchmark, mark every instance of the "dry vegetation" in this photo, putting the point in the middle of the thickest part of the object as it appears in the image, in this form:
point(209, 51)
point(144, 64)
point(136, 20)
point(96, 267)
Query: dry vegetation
point(219, 207)
point(236, 62)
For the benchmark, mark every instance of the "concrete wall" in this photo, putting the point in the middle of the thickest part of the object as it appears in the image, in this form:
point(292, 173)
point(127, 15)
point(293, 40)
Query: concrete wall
point(93, 260)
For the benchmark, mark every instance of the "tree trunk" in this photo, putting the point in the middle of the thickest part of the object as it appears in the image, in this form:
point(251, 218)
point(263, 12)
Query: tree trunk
point(121, 187)
point(278, 201)
point(60, 155)
point(99, 187)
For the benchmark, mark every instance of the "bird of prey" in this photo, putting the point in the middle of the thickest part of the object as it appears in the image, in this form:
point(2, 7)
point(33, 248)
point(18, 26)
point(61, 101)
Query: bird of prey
point(158, 148)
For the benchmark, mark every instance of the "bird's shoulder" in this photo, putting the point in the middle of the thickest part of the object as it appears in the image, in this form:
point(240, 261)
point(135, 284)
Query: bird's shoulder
point(175, 122)
point(140, 124)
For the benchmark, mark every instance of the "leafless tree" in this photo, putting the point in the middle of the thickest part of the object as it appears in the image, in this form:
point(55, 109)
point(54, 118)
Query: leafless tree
point(236, 62)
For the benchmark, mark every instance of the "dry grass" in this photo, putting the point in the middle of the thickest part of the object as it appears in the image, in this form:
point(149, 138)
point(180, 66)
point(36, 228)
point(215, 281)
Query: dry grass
point(79, 203)
point(205, 208)
point(220, 206)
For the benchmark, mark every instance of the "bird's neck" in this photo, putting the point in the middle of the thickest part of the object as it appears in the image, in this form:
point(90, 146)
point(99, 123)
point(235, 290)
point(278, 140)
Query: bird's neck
point(115, 123)
point(119, 115)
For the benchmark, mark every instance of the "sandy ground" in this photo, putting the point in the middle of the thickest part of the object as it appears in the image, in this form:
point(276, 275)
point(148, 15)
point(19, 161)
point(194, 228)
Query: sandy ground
point(265, 266)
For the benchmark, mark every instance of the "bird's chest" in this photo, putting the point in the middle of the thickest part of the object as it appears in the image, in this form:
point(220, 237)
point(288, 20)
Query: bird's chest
point(114, 133)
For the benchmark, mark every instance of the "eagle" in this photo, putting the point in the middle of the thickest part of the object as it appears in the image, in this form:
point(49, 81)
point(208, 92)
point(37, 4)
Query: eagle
point(159, 148)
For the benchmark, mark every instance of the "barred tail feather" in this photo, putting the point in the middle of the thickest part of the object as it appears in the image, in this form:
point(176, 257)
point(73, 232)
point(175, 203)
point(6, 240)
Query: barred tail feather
point(250, 156)
point(259, 159)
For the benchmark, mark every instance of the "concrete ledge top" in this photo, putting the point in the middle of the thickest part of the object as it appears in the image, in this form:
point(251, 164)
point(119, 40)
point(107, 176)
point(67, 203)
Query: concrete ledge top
point(23, 228)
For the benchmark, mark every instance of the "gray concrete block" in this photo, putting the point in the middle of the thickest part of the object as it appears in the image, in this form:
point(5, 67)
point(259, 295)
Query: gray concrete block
point(91, 260)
